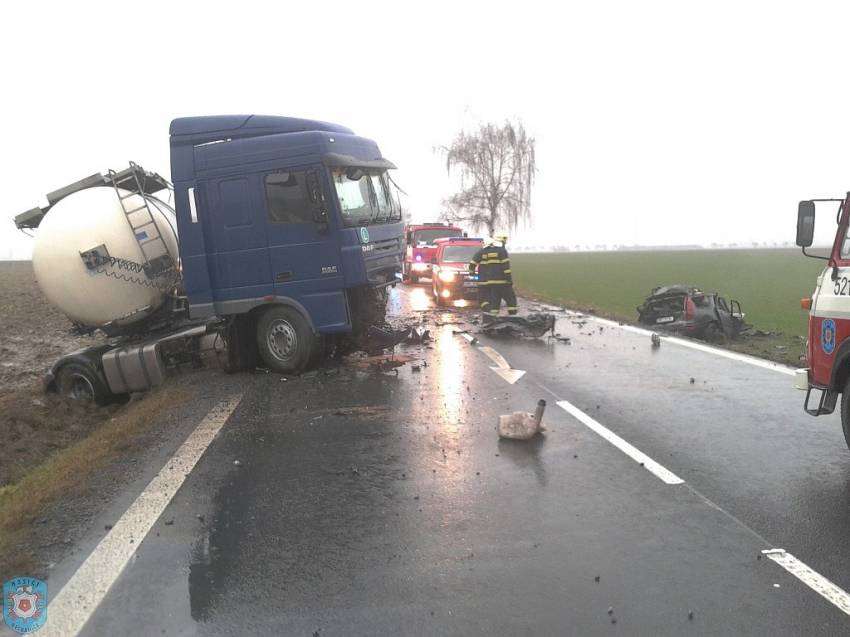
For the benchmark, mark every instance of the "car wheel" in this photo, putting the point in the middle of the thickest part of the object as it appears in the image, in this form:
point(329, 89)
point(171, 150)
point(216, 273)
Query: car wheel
point(285, 340)
point(79, 382)
point(845, 412)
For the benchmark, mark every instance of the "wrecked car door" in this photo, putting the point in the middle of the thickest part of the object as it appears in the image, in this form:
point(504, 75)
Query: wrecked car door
point(724, 316)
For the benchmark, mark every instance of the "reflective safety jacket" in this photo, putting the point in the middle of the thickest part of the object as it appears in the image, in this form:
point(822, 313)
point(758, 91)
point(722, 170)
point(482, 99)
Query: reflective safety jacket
point(493, 264)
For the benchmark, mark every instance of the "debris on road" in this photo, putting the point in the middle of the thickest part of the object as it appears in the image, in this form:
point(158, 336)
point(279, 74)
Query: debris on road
point(531, 326)
point(521, 425)
point(656, 340)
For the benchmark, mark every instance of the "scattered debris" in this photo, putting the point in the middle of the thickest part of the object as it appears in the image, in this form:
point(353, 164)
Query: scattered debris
point(693, 380)
point(531, 326)
point(415, 368)
point(522, 425)
point(237, 463)
point(691, 615)
point(656, 340)
point(169, 522)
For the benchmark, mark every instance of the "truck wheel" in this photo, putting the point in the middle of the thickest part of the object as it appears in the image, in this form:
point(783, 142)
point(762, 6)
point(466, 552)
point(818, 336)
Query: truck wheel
point(845, 412)
point(285, 340)
point(76, 381)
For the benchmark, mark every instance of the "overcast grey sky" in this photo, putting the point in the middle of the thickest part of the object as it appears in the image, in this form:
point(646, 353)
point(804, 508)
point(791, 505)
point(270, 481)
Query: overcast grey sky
point(656, 122)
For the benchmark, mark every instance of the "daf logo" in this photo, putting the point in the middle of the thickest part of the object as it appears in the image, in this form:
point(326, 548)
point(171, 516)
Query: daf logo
point(368, 248)
point(364, 235)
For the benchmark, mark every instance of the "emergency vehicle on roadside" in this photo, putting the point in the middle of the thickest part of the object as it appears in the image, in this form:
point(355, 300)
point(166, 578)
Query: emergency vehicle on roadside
point(828, 347)
point(421, 248)
point(451, 280)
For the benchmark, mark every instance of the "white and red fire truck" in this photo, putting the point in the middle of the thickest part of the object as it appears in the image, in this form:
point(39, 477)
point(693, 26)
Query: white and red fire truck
point(420, 248)
point(828, 348)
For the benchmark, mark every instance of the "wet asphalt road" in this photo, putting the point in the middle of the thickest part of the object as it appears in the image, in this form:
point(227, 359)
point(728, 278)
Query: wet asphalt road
point(372, 503)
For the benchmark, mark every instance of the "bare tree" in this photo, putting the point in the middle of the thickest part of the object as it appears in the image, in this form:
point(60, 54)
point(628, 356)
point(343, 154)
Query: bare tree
point(496, 166)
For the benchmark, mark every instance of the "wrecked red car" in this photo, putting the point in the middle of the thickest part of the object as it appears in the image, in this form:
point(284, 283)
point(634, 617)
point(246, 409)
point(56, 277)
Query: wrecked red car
point(689, 311)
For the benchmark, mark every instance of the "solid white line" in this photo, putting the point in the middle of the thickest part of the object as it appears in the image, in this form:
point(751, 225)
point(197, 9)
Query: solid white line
point(811, 578)
point(79, 598)
point(634, 453)
point(723, 353)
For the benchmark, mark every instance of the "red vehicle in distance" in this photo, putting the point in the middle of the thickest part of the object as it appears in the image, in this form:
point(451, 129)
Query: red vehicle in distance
point(452, 280)
point(421, 248)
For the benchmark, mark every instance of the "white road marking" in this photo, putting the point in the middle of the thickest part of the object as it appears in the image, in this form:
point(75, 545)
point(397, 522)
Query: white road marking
point(502, 368)
point(811, 578)
point(494, 356)
point(509, 375)
point(633, 452)
point(683, 342)
point(79, 598)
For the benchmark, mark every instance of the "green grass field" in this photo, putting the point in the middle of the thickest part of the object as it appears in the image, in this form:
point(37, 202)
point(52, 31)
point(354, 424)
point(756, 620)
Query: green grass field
point(768, 283)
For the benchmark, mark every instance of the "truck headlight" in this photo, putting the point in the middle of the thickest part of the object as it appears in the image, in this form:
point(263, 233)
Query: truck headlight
point(447, 276)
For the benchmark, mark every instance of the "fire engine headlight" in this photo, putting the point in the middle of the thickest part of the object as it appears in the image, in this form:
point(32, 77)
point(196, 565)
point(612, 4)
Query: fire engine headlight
point(418, 257)
point(419, 267)
point(447, 276)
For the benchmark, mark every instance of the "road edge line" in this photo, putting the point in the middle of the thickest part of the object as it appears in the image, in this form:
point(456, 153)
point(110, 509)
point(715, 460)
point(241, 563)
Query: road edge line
point(659, 471)
point(79, 598)
point(701, 347)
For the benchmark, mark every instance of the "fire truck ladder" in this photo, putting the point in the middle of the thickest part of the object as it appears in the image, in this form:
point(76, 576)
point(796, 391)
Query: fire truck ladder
point(157, 259)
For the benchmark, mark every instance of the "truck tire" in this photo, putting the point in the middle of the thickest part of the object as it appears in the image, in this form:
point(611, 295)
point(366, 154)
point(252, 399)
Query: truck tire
point(845, 412)
point(284, 339)
point(76, 381)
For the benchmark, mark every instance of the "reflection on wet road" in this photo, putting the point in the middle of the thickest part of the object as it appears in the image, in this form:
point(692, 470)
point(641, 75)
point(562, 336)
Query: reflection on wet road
point(370, 502)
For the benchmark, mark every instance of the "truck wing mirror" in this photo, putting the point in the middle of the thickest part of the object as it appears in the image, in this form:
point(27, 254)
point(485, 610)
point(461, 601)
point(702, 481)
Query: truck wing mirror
point(805, 223)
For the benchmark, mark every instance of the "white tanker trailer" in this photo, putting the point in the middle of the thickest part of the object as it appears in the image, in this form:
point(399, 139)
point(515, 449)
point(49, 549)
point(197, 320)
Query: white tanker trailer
point(106, 254)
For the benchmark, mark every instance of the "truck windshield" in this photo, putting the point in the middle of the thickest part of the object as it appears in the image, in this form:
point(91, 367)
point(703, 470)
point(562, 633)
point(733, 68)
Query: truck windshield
point(428, 237)
point(459, 254)
point(365, 201)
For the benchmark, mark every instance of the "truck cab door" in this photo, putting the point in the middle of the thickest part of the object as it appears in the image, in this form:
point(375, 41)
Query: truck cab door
point(234, 227)
point(303, 240)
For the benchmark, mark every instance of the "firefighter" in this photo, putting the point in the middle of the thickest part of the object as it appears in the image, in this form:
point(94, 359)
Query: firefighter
point(494, 276)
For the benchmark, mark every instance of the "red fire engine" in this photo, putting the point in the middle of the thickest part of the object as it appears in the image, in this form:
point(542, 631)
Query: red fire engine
point(828, 348)
point(421, 248)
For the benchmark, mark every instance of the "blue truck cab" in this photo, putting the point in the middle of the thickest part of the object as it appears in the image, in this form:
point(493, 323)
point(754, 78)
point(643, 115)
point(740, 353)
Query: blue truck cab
point(288, 226)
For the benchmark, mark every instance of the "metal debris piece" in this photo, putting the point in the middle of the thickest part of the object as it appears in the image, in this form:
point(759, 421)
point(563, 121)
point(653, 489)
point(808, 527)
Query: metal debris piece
point(656, 340)
point(531, 326)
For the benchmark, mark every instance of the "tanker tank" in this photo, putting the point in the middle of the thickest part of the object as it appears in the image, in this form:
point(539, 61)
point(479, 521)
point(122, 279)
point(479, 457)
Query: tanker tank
point(99, 256)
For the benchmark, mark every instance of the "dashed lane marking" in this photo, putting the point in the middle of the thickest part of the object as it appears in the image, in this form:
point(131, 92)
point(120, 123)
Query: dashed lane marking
point(814, 580)
point(665, 475)
point(81, 595)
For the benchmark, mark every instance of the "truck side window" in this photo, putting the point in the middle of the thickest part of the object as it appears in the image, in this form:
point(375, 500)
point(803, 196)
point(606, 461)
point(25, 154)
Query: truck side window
point(287, 198)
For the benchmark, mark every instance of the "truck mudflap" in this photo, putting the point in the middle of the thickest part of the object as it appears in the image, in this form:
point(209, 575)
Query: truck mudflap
point(140, 366)
point(826, 400)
